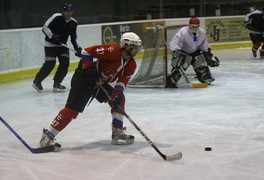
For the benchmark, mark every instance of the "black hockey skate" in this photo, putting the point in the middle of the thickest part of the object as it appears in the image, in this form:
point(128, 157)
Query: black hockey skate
point(57, 87)
point(37, 85)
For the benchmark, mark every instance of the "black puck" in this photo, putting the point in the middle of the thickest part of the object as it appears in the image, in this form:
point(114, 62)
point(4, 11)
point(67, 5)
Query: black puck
point(208, 149)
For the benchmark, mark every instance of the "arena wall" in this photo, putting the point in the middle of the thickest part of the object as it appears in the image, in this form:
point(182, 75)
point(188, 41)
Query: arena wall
point(22, 50)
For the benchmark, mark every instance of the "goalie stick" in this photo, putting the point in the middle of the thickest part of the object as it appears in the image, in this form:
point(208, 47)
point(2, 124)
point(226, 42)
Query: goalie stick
point(193, 85)
point(33, 150)
point(172, 157)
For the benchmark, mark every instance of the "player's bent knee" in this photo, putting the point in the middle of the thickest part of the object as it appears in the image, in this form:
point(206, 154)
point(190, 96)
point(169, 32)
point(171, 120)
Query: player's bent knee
point(65, 116)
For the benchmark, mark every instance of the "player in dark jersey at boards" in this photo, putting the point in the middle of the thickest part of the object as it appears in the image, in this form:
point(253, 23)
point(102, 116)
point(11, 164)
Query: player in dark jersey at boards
point(57, 29)
point(254, 22)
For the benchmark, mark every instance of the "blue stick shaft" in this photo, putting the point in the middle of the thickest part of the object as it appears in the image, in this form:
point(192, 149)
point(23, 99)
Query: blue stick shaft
point(15, 133)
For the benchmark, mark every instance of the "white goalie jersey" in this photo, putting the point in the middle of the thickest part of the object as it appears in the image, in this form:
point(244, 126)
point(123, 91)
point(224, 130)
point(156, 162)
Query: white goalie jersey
point(186, 41)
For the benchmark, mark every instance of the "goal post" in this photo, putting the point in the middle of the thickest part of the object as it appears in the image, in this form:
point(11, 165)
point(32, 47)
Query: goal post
point(154, 65)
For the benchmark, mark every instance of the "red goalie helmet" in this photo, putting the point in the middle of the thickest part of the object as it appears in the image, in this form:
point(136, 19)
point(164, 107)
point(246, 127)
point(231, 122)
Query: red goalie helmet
point(194, 20)
point(194, 24)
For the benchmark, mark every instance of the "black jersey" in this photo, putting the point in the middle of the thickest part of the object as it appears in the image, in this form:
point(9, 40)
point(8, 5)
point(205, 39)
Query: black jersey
point(57, 25)
point(256, 22)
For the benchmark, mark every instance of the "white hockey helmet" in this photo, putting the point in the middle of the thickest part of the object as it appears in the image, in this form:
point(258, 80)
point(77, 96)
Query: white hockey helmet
point(130, 39)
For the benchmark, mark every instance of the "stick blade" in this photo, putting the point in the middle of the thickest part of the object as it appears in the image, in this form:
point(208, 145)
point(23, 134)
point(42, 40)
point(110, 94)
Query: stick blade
point(199, 85)
point(42, 149)
point(174, 157)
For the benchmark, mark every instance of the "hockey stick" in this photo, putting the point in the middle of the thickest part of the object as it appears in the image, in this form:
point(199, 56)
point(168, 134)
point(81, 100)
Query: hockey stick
point(173, 157)
point(33, 150)
point(68, 47)
point(193, 85)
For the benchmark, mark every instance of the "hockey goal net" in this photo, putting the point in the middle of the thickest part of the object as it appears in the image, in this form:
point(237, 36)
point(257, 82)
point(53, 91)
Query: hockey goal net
point(154, 65)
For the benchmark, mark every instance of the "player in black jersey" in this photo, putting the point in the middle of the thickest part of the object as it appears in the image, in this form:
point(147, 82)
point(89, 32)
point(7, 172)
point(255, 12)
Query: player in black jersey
point(57, 29)
point(254, 22)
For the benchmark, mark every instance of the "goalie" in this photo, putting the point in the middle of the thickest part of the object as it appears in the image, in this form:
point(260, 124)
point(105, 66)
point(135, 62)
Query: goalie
point(190, 47)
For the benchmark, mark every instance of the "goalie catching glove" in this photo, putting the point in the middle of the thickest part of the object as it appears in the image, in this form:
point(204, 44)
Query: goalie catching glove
point(211, 60)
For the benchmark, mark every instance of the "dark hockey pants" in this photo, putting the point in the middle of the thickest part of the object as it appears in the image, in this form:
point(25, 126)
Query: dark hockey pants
point(50, 61)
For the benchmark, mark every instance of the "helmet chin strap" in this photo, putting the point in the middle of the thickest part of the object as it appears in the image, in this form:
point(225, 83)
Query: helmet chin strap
point(129, 52)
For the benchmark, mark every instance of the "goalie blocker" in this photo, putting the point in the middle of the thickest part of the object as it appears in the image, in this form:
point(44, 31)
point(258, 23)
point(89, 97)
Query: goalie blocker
point(199, 60)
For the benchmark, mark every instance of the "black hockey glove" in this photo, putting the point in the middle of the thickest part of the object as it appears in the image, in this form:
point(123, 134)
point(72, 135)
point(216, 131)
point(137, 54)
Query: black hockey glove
point(208, 53)
point(55, 39)
point(78, 52)
point(215, 62)
point(116, 98)
point(211, 60)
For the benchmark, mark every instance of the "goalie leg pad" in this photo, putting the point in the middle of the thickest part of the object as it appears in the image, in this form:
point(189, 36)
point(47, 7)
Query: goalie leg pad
point(181, 59)
point(187, 62)
point(204, 75)
point(202, 71)
point(199, 61)
point(173, 78)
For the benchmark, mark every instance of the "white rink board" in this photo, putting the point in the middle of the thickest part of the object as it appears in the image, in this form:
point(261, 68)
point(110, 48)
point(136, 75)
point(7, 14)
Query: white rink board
point(23, 48)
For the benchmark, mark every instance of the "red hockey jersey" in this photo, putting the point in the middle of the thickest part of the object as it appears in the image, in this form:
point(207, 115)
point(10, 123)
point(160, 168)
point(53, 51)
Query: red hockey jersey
point(110, 64)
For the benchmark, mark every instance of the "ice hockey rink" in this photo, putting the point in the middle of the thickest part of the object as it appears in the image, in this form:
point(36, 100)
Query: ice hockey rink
point(226, 116)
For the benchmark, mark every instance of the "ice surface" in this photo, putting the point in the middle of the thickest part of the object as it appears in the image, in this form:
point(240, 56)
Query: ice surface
point(227, 116)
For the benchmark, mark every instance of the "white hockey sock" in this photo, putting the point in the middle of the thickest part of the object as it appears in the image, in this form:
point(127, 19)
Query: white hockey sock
point(53, 131)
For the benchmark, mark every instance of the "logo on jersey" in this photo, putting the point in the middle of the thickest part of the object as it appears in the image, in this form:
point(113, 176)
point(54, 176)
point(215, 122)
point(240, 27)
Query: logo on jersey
point(110, 49)
point(100, 50)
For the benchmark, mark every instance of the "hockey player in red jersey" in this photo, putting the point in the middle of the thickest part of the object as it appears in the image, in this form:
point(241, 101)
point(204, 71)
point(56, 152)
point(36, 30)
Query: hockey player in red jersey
point(254, 22)
point(99, 65)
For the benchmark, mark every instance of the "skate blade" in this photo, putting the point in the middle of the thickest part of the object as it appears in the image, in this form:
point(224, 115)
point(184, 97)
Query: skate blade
point(58, 90)
point(122, 142)
point(35, 87)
